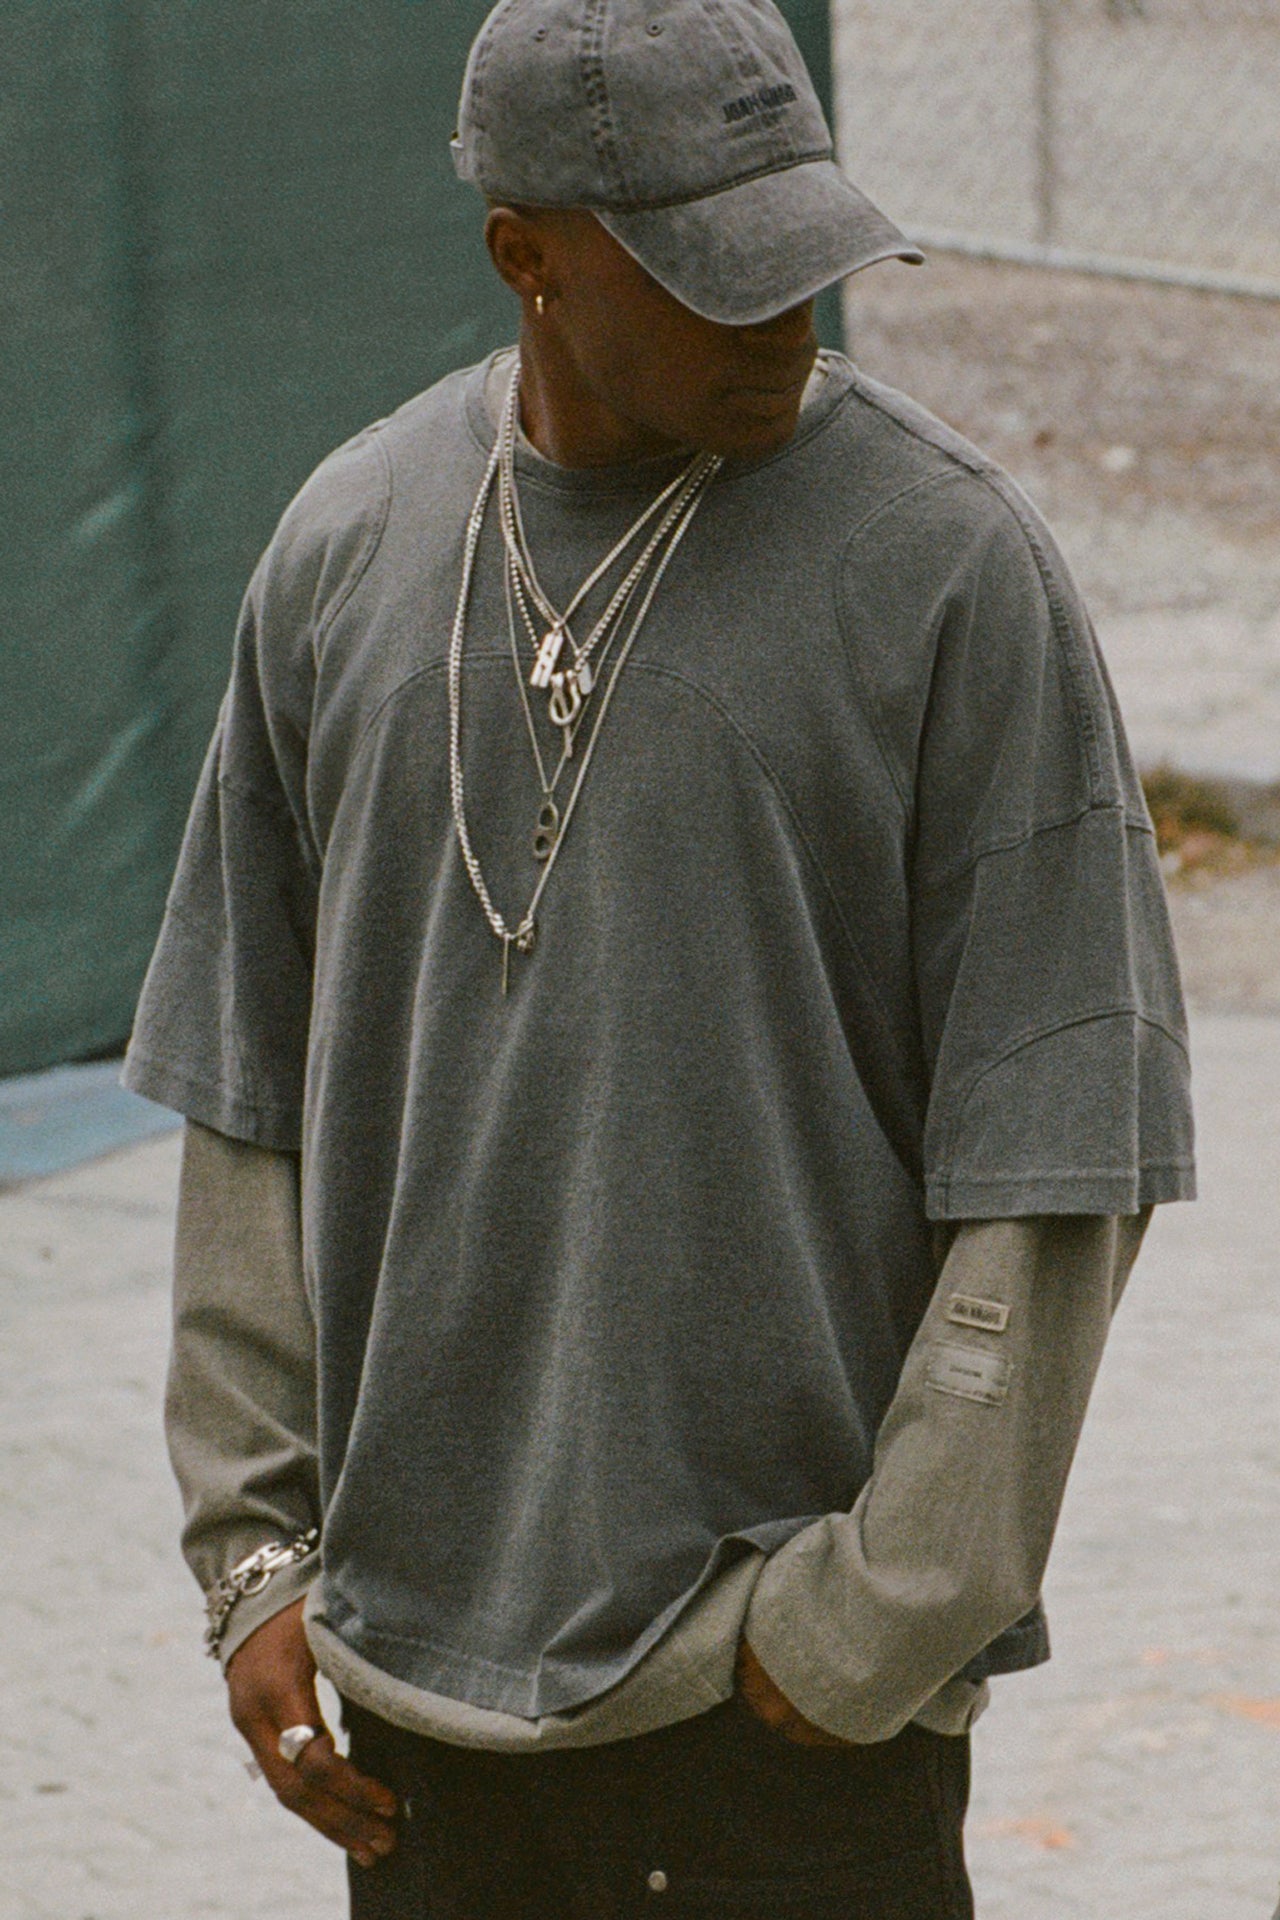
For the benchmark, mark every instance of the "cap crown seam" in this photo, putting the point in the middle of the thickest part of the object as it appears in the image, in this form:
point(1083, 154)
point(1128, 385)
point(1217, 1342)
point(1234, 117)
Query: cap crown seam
point(604, 135)
point(474, 92)
point(747, 62)
point(744, 57)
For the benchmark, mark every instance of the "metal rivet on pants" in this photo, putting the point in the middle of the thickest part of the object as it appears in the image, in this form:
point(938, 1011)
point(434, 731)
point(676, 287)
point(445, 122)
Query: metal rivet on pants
point(657, 1881)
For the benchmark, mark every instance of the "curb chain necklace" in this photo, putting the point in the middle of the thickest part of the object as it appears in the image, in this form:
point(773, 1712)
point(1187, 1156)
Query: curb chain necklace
point(681, 498)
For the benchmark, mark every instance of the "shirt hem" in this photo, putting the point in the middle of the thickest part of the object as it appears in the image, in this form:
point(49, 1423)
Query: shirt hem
point(566, 1687)
point(687, 1671)
point(210, 1104)
point(1002, 1197)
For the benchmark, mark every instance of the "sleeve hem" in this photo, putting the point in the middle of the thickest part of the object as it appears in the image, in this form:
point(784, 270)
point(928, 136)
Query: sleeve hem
point(1097, 1191)
point(252, 1612)
point(213, 1105)
point(954, 1708)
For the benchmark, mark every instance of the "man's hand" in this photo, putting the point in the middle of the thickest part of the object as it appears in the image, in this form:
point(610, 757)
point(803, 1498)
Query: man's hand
point(271, 1681)
point(770, 1704)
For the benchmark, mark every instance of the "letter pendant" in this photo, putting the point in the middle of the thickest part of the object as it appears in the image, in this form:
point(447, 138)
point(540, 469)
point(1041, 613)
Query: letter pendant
point(544, 839)
point(548, 654)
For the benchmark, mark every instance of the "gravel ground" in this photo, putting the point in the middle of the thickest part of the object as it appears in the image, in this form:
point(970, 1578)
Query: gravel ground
point(1144, 421)
point(1227, 927)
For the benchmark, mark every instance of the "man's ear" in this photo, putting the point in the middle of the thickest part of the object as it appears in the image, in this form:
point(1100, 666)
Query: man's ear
point(517, 246)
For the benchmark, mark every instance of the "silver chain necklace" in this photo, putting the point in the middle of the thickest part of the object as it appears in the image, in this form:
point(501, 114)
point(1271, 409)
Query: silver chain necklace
point(689, 487)
point(568, 689)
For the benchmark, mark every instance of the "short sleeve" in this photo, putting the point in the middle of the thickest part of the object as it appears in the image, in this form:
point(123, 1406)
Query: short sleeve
point(222, 1026)
point(1048, 987)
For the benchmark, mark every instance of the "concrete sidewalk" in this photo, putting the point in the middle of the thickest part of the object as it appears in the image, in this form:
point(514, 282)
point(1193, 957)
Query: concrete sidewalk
point(1139, 1774)
point(1199, 690)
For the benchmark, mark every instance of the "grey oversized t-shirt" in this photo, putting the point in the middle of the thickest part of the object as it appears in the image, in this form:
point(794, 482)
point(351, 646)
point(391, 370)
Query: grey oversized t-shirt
point(858, 926)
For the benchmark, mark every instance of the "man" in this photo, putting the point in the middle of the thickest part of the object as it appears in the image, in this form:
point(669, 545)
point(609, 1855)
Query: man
point(670, 987)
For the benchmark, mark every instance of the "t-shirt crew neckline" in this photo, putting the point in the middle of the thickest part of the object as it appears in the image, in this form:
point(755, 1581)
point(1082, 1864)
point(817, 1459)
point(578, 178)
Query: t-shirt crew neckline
point(821, 397)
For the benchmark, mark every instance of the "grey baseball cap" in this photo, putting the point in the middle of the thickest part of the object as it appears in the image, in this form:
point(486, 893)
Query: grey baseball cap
point(690, 128)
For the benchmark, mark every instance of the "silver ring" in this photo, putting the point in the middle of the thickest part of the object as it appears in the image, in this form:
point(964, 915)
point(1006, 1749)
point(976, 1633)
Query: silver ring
point(293, 1740)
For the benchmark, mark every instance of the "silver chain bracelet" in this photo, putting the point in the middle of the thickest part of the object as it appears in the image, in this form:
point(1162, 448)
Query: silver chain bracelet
point(249, 1576)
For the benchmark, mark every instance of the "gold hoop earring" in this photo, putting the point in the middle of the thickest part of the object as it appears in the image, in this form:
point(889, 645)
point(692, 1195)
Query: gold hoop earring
point(539, 306)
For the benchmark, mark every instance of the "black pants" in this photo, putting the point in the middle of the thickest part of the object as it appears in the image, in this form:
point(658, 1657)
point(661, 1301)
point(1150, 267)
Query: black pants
point(716, 1816)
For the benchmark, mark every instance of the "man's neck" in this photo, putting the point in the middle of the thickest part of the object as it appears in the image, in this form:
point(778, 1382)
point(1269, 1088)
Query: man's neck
point(565, 421)
point(495, 393)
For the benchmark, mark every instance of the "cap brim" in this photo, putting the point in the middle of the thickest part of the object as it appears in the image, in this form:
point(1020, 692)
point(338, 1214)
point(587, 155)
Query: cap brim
point(755, 250)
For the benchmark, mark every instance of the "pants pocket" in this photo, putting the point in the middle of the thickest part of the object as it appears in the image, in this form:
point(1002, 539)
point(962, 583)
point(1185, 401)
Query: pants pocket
point(913, 1887)
point(748, 1823)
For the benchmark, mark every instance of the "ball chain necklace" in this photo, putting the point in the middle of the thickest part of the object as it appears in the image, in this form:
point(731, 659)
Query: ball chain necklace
point(568, 689)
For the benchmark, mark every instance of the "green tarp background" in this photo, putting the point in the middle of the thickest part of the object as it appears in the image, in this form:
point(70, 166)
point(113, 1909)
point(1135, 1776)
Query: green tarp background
point(231, 237)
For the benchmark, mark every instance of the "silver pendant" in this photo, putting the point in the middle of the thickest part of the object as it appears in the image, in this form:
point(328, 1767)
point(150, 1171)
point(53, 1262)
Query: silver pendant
point(548, 654)
point(584, 677)
point(523, 941)
point(544, 839)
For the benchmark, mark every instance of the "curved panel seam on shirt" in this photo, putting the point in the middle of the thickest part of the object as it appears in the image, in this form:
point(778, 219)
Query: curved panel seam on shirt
point(278, 811)
point(373, 540)
point(393, 693)
point(1000, 484)
point(736, 727)
point(1065, 632)
point(1030, 1039)
point(945, 477)
point(966, 862)
point(949, 474)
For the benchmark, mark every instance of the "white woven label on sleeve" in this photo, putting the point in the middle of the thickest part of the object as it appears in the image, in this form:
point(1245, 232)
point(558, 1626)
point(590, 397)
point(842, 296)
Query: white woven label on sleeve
point(967, 1310)
point(970, 1372)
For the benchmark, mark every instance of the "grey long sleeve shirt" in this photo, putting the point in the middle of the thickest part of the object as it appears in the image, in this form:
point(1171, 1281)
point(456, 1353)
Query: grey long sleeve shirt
point(865, 1619)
